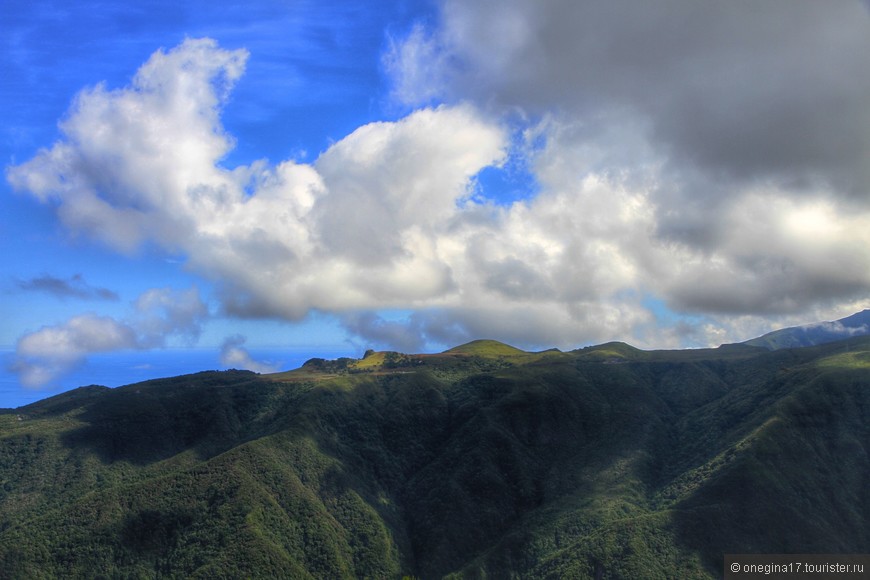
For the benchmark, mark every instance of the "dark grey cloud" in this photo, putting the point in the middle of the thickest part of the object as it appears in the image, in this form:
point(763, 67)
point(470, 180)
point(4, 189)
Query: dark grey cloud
point(401, 335)
point(742, 89)
point(72, 287)
point(782, 288)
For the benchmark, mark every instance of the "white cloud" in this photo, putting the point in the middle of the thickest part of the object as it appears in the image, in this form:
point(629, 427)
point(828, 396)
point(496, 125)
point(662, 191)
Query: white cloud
point(126, 153)
point(234, 355)
point(76, 337)
point(43, 356)
point(163, 312)
point(415, 62)
point(837, 327)
point(356, 229)
point(776, 254)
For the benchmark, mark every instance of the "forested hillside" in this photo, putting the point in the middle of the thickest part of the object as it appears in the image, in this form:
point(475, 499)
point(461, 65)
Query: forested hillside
point(483, 461)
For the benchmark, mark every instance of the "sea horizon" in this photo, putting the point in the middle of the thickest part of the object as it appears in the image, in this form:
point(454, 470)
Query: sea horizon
point(133, 366)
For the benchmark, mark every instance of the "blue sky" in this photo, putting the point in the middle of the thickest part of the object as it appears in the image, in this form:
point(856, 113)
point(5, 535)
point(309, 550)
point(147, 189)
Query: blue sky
point(410, 175)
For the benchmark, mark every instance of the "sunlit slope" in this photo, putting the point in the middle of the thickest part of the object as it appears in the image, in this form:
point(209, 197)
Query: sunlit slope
point(486, 348)
point(602, 462)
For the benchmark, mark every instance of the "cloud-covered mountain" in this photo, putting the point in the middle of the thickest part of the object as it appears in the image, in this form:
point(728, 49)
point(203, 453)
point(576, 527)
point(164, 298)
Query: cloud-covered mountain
point(817, 333)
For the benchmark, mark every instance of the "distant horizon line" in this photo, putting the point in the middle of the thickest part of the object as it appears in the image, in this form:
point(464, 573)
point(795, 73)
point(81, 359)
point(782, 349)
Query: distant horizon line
point(200, 347)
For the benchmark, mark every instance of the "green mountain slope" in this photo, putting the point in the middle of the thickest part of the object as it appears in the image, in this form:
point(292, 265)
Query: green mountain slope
point(486, 348)
point(480, 462)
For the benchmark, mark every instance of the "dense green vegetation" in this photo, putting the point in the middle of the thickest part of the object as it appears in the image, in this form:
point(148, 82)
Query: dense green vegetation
point(481, 462)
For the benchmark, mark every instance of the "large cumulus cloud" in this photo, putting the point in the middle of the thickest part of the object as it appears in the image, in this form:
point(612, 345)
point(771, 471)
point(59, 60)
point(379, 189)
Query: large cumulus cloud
point(743, 129)
point(686, 155)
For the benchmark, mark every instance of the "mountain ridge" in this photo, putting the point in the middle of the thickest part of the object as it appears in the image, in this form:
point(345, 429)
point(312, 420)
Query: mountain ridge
point(606, 461)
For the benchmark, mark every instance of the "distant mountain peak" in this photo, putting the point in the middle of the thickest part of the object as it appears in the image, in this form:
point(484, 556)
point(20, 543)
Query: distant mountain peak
point(485, 347)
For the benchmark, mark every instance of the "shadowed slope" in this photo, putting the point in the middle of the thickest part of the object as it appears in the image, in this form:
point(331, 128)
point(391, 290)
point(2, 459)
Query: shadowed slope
point(606, 461)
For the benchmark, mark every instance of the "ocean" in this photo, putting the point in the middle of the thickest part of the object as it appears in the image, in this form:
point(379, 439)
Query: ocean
point(127, 367)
